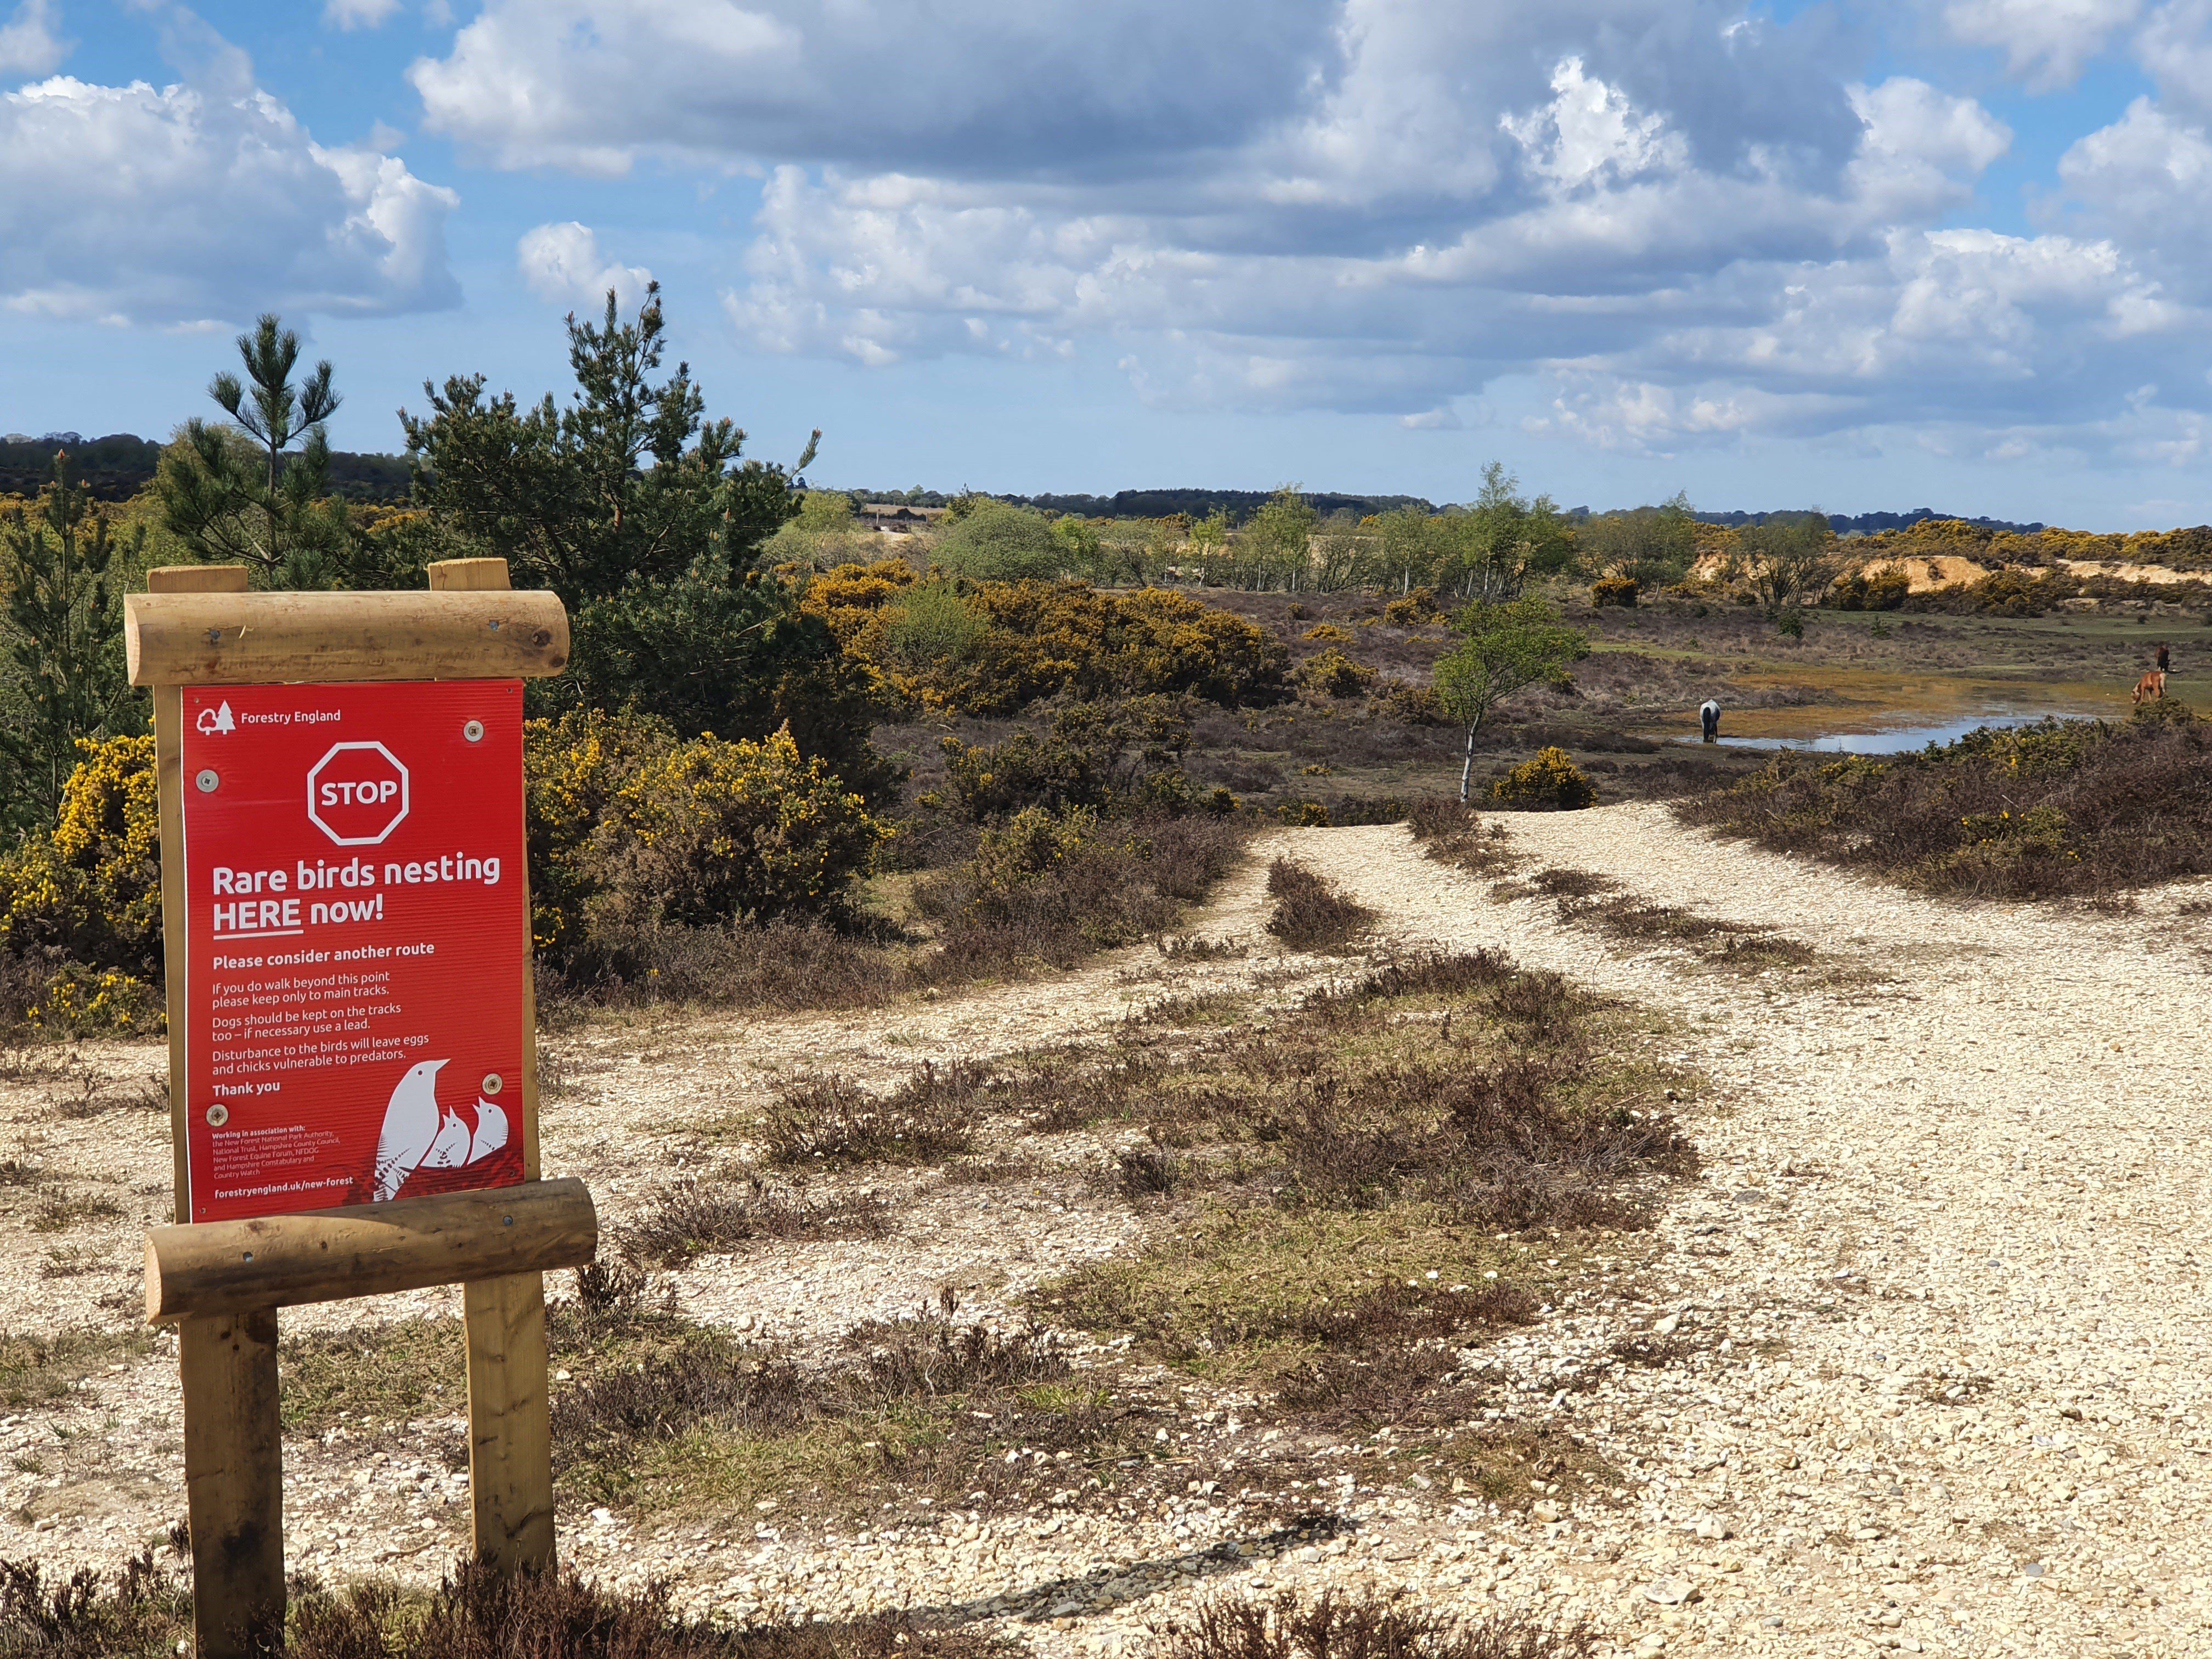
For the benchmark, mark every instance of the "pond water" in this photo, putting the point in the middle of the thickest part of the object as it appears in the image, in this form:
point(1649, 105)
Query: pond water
point(1888, 740)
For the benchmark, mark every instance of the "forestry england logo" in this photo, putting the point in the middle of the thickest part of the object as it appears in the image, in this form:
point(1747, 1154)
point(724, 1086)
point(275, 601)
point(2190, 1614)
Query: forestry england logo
point(213, 722)
point(357, 793)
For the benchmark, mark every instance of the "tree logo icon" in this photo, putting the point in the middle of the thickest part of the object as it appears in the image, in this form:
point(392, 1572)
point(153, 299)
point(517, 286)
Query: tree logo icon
point(212, 721)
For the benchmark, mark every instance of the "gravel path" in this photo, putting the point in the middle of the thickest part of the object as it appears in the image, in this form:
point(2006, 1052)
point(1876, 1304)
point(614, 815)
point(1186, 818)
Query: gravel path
point(1967, 1198)
point(1940, 1270)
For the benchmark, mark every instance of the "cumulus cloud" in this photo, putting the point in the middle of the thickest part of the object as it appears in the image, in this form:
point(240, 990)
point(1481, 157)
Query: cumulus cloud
point(204, 201)
point(1698, 224)
point(28, 44)
point(358, 13)
point(562, 263)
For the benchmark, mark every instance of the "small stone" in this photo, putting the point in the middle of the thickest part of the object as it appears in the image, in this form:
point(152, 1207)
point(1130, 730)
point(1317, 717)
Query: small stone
point(1668, 1325)
point(1668, 1592)
point(1545, 1511)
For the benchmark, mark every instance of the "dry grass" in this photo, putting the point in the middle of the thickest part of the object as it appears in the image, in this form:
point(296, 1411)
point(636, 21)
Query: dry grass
point(36, 1371)
point(1310, 912)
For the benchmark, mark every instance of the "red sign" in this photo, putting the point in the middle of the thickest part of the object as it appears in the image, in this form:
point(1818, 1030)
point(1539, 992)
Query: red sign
point(354, 899)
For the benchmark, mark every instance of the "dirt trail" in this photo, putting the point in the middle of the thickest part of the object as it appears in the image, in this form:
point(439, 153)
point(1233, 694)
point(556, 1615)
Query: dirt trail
point(1945, 1229)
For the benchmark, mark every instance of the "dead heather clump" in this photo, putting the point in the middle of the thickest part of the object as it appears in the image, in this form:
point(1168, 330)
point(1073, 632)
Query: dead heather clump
point(1310, 913)
point(1371, 1626)
point(688, 1218)
point(832, 1120)
point(1584, 896)
point(1451, 832)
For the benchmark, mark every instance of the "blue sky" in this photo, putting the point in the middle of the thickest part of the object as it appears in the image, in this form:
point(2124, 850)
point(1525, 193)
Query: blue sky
point(1882, 256)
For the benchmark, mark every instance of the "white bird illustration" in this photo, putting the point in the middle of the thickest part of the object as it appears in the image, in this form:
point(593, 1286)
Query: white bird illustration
point(419, 1134)
point(411, 1123)
point(491, 1130)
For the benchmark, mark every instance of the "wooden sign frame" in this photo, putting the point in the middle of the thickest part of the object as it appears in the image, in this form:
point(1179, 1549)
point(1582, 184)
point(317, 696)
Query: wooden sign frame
point(221, 1283)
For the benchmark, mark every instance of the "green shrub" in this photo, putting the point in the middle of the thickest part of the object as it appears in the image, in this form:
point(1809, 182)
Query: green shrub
point(1333, 674)
point(1549, 779)
point(994, 542)
point(930, 627)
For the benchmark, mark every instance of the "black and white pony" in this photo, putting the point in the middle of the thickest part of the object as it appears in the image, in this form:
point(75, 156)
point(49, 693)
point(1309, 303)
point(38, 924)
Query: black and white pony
point(1708, 712)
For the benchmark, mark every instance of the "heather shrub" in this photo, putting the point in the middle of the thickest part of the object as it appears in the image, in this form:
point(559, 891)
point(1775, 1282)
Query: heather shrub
point(2058, 807)
point(1049, 887)
point(1549, 779)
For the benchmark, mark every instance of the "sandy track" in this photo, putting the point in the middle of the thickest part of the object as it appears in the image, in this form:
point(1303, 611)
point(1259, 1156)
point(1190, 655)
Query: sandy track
point(1947, 1225)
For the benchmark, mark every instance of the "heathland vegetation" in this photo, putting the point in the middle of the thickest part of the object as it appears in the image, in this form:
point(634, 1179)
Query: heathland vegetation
point(799, 757)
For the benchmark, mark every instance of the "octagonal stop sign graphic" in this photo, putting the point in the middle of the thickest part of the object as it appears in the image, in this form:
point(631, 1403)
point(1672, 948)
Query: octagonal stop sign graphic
point(357, 793)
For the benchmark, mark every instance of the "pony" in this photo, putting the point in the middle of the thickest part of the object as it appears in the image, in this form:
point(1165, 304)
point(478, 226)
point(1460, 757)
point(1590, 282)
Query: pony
point(1709, 715)
point(2150, 687)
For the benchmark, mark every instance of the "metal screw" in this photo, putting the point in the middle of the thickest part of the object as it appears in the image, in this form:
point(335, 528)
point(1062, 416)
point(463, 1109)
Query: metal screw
point(473, 731)
point(510, 1221)
point(218, 1116)
point(207, 781)
point(249, 1255)
point(494, 1083)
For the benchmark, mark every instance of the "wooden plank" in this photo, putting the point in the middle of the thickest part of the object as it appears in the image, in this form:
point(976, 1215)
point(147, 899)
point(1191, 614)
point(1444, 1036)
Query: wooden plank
point(368, 1249)
point(468, 576)
point(510, 1428)
point(266, 639)
point(234, 1482)
point(169, 760)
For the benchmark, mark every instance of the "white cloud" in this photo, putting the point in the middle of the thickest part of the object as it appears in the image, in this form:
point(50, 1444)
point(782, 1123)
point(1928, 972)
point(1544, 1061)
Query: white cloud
point(1589, 134)
point(204, 201)
point(562, 263)
point(2046, 43)
point(28, 44)
point(358, 13)
point(1697, 225)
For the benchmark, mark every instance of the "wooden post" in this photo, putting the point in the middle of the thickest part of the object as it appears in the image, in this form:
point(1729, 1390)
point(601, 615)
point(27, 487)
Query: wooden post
point(510, 1420)
point(234, 1468)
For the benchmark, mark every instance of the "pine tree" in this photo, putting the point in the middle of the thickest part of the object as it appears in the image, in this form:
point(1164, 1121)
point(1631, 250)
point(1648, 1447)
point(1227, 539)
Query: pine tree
point(238, 493)
point(64, 646)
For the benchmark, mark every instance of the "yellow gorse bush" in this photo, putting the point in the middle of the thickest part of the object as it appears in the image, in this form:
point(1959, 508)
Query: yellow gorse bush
point(86, 896)
point(708, 831)
point(1549, 778)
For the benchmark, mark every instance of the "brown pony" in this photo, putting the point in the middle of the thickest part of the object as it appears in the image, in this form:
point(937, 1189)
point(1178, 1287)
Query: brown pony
point(2151, 685)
